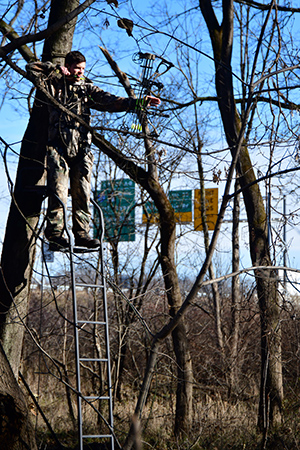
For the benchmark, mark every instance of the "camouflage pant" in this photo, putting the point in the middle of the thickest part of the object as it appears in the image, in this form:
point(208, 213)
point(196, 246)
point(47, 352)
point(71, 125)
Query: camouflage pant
point(60, 170)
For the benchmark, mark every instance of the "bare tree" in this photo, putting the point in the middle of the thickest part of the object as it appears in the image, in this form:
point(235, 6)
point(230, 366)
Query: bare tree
point(271, 371)
point(22, 225)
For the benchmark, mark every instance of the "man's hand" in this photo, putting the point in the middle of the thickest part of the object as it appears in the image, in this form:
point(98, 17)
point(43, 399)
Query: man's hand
point(65, 71)
point(152, 101)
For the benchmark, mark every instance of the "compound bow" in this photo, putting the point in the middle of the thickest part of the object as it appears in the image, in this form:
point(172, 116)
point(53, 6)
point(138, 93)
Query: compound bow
point(148, 85)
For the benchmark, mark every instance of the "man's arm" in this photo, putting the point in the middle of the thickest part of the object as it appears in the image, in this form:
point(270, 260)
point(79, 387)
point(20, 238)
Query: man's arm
point(104, 101)
point(41, 67)
point(43, 70)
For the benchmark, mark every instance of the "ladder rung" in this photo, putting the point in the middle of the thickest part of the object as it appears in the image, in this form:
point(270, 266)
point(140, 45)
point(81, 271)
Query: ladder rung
point(97, 436)
point(85, 250)
point(93, 359)
point(94, 286)
point(95, 322)
point(104, 397)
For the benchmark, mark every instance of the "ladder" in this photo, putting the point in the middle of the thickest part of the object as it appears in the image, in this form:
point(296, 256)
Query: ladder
point(92, 323)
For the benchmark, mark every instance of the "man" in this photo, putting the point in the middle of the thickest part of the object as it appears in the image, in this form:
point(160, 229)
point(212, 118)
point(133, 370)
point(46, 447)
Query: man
point(68, 149)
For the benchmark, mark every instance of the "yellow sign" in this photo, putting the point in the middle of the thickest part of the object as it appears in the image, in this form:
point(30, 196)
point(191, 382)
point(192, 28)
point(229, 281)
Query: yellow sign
point(211, 209)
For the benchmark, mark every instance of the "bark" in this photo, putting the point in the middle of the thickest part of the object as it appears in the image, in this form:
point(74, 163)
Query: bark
point(20, 238)
point(16, 430)
point(22, 224)
point(19, 42)
point(60, 43)
point(271, 391)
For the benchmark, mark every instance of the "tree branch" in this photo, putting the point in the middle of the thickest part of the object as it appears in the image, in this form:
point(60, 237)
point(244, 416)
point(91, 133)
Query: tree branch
point(21, 41)
point(121, 75)
point(263, 7)
point(9, 33)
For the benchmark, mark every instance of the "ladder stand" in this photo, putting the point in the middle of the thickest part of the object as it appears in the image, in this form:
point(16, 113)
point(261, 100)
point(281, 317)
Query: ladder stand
point(89, 323)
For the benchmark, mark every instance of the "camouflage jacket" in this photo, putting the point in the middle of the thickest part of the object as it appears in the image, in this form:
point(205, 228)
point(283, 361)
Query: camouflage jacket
point(79, 97)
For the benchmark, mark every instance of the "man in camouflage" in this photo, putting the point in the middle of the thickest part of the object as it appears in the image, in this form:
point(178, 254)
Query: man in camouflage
point(68, 150)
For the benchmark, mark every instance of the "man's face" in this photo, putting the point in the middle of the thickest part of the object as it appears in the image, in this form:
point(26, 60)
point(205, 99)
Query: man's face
point(77, 69)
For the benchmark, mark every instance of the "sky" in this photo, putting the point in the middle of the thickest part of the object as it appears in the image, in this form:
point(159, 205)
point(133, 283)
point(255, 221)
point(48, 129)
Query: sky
point(13, 121)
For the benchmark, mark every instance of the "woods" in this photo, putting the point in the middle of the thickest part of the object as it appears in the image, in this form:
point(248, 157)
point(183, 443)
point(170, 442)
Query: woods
point(227, 76)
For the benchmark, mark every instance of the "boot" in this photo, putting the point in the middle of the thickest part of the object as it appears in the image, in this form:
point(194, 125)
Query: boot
point(57, 242)
point(84, 240)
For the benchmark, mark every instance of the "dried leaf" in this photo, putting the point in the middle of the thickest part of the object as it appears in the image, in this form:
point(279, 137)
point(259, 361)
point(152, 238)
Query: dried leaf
point(216, 176)
point(127, 24)
point(114, 2)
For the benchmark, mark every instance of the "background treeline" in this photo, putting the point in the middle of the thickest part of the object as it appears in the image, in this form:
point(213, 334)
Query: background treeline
point(226, 391)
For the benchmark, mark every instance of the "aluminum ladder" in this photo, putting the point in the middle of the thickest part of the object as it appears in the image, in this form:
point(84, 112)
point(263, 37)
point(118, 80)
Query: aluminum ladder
point(88, 322)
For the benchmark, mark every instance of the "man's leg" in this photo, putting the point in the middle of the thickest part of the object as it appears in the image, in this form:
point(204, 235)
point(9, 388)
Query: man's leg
point(80, 178)
point(57, 181)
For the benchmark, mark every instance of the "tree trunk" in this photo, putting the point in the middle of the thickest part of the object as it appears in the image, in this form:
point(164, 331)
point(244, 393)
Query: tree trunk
point(22, 224)
point(184, 392)
point(271, 390)
point(236, 295)
point(16, 430)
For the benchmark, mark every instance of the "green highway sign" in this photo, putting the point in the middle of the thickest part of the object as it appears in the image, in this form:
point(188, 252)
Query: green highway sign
point(117, 201)
point(182, 204)
point(181, 201)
